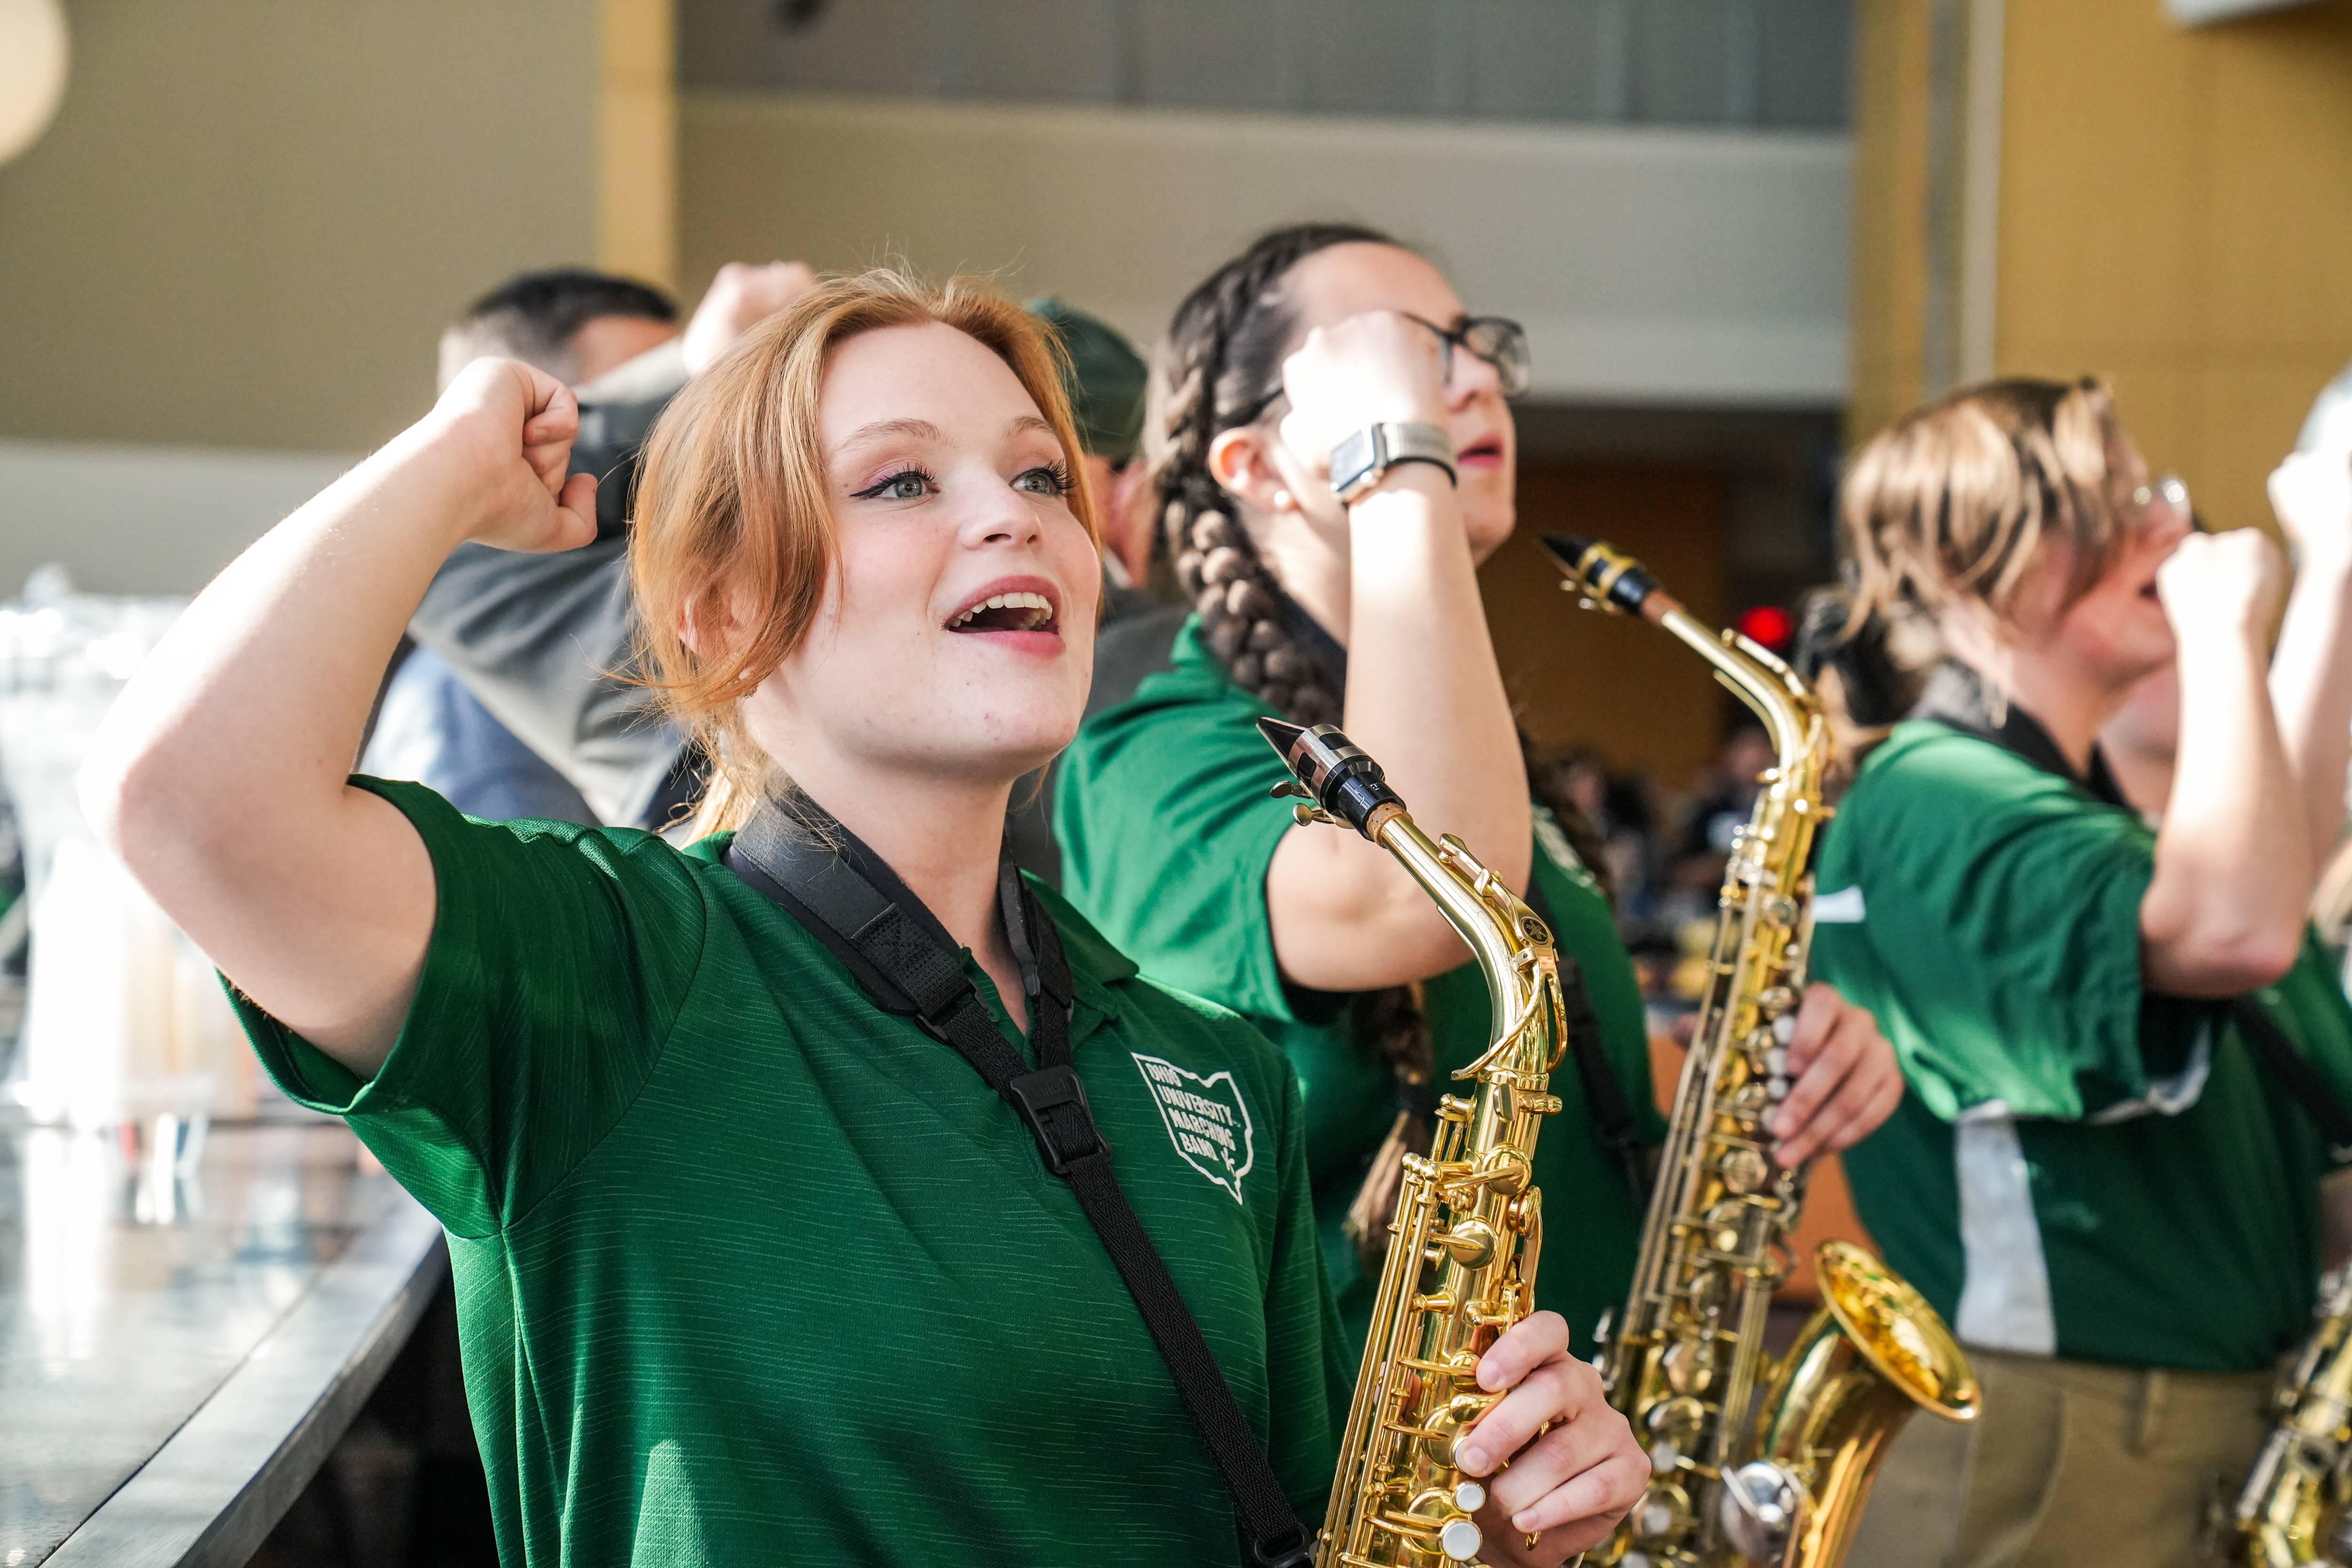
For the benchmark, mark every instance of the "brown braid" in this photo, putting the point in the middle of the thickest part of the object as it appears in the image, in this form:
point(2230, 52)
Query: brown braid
point(1223, 353)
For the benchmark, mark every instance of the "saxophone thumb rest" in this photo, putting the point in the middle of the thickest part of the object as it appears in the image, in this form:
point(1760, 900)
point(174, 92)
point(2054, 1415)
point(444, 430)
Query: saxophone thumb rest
point(1333, 773)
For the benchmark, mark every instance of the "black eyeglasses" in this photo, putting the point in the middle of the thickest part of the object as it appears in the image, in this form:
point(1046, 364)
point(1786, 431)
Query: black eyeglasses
point(1497, 340)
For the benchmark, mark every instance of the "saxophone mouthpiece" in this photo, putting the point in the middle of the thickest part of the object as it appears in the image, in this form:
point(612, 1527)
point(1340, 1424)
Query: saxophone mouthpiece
point(1612, 579)
point(1335, 773)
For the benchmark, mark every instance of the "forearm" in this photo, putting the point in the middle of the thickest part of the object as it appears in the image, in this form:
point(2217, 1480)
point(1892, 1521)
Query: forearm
point(2234, 860)
point(1425, 700)
point(2311, 691)
point(1425, 693)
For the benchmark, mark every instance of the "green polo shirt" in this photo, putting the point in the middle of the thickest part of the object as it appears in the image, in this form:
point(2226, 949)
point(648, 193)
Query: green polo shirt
point(2080, 1167)
point(1167, 832)
point(751, 1272)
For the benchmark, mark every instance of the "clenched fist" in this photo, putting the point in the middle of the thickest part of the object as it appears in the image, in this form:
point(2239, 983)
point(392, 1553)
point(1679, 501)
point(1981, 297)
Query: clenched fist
point(512, 426)
point(2222, 585)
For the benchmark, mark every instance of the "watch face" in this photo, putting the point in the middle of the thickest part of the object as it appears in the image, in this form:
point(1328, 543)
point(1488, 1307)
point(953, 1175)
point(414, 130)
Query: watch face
point(1351, 460)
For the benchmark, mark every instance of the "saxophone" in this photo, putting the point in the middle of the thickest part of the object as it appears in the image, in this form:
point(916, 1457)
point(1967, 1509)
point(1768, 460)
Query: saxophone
point(1753, 1457)
point(2292, 1508)
point(1468, 1226)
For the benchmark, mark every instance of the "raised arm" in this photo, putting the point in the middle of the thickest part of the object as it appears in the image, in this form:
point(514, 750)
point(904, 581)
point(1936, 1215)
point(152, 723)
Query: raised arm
point(2234, 862)
point(1425, 694)
point(2311, 671)
point(220, 777)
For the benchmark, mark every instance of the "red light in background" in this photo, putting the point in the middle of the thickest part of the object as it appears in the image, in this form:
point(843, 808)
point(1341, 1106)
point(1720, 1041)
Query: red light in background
point(1769, 625)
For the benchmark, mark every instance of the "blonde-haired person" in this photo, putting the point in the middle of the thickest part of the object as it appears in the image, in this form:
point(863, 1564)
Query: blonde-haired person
point(2095, 1176)
point(751, 1266)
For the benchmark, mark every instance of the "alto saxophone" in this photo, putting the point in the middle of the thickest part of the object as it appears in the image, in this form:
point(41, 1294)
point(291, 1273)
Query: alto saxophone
point(2291, 1508)
point(1468, 1225)
point(1753, 1456)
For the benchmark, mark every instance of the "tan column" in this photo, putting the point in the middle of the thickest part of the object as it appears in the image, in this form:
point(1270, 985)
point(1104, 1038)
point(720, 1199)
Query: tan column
point(636, 141)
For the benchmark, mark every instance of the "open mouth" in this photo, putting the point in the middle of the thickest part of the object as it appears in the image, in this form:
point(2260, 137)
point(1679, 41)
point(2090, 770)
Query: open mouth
point(1017, 611)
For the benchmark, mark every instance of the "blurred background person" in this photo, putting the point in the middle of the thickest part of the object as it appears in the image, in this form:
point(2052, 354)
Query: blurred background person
point(577, 325)
point(2091, 1175)
point(545, 643)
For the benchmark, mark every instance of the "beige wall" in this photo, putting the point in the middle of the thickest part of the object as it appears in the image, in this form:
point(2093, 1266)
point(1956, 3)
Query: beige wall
point(2174, 213)
point(1648, 265)
point(2177, 215)
point(251, 218)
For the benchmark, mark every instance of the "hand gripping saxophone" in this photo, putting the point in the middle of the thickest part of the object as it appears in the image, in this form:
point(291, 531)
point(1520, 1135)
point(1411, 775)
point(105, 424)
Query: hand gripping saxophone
point(1753, 1457)
point(2292, 1508)
point(1468, 1228)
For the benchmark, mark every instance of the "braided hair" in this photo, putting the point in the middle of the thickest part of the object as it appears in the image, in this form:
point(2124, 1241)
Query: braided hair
point(1223, 354)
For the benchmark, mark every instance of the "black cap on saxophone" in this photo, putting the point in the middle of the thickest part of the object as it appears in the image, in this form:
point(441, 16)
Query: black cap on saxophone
point(1609, 576)
point(1340, 777)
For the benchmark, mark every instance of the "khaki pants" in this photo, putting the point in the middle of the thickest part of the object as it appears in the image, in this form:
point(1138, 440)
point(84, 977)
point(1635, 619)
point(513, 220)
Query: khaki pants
point(2069, 1465)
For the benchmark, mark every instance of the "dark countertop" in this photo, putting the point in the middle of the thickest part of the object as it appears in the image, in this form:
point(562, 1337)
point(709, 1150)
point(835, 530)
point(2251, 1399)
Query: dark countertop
point(178, 1352)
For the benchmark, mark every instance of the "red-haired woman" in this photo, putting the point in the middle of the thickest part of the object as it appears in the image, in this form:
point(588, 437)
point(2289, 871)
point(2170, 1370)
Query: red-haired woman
point(754, 1262)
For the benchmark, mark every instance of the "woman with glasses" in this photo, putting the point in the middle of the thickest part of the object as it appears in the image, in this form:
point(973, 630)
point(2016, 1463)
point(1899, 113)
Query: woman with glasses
point(2102, 1174)
point(1333, 448)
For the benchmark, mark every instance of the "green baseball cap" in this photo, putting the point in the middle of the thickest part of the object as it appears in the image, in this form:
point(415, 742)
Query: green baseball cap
point(1105, 380)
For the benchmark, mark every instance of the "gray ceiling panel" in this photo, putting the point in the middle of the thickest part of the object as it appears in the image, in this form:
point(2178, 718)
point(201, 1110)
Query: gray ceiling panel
point(1783, 63)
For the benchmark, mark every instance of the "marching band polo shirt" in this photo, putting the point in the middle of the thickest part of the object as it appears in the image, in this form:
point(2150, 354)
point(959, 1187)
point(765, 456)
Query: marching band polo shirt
point(2080, 1167)
point(749, 1270)
point(1167, 832)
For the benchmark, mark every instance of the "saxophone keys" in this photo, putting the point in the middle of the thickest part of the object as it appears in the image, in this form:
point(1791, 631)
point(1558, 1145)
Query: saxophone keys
point(1760, 1507)
point(1471, 1244)
point(1460, 1539)
point(1675, 1426)
point(1744, 1171)
point(1663, 1513)
point(1689, 1366)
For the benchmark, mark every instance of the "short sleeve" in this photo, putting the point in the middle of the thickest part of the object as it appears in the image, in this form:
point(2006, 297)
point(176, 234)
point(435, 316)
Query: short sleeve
point(559, 958)
point(1167, 832)
point(1989, 914)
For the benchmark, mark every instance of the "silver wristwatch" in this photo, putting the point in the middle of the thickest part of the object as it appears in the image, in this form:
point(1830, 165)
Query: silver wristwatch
point(1359, 462)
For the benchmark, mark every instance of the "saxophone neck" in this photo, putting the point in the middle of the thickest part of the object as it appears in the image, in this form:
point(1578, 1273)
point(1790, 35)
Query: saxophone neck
point(1763, 683)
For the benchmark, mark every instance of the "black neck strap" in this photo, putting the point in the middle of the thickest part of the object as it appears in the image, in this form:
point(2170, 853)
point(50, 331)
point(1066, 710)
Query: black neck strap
point(1956, 699)
point(845, 895)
